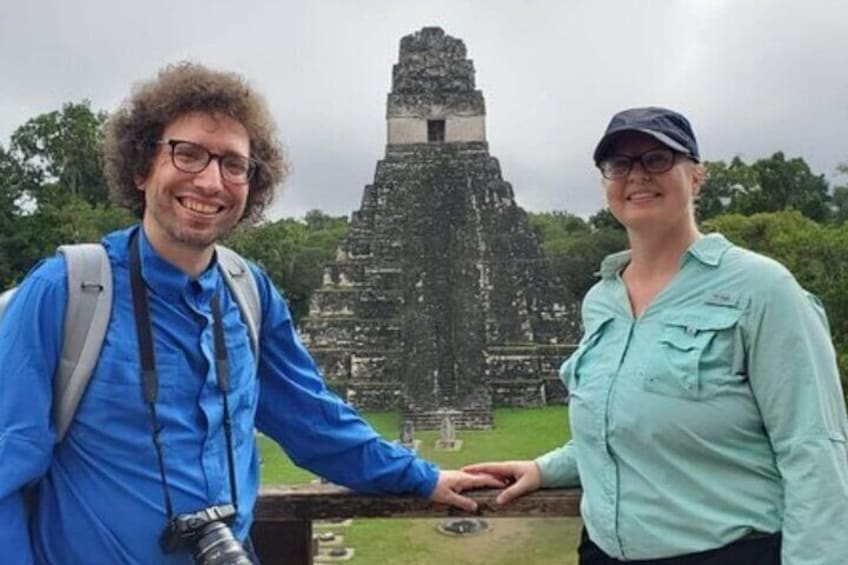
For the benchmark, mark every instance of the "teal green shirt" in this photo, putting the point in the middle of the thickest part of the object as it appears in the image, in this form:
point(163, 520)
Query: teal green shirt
point(715, 414)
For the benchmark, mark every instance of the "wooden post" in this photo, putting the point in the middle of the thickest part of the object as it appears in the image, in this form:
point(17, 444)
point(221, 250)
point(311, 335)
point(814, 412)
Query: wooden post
point(286, 542)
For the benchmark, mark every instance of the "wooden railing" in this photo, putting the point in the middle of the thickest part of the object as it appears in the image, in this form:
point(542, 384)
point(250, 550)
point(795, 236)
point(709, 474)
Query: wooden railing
point(282, 531)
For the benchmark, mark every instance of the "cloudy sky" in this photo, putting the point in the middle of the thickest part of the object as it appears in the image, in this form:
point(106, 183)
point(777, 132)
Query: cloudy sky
point(754, 76)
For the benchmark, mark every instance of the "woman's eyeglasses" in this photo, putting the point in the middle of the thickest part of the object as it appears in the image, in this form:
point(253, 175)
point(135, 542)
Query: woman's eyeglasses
point(655, 161)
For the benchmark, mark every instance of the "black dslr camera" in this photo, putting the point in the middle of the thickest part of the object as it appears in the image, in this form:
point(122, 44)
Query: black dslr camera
point(207, 534)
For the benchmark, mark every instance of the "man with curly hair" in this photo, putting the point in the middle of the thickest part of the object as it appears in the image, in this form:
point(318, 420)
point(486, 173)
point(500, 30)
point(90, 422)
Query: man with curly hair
point(165, 431)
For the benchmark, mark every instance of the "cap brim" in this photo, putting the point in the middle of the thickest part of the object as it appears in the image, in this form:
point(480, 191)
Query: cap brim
point(606, 140)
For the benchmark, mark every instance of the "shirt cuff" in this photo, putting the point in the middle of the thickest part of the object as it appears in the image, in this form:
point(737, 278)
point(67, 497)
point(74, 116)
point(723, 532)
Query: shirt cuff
point(558, 468)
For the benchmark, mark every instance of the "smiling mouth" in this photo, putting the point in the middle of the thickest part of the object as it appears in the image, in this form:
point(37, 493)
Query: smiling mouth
point(199, 207)
point(643, 196)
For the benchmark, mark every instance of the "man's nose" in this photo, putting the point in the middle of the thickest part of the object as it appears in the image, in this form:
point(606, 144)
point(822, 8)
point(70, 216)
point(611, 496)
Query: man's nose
point(210, 179)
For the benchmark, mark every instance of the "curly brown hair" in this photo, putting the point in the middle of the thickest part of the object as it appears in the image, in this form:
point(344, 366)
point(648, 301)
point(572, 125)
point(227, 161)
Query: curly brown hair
point(129, 146)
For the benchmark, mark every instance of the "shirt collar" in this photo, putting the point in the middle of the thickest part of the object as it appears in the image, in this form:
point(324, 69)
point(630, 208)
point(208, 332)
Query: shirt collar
point(613, 264)
point(708, 250)
point(165, 279)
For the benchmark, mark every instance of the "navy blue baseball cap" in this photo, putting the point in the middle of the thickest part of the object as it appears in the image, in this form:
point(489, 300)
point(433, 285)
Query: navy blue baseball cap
point(670, 128)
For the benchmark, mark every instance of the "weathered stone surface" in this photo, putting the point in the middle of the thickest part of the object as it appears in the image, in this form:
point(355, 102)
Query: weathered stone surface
point(431, 61)
point(440, 301)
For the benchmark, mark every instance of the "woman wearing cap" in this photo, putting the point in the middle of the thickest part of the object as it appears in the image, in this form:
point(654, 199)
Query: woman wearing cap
point(707, 419)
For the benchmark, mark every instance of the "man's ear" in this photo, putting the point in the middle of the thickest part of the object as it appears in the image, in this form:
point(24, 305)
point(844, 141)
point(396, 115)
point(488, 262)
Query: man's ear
point(139, 182)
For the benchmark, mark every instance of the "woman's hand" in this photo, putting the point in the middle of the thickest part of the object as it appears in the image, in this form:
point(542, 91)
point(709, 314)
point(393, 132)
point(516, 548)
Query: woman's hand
point(451, 483)
point(521, 476)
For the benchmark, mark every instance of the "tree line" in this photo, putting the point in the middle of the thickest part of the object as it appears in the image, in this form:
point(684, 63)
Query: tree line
point(52, 191)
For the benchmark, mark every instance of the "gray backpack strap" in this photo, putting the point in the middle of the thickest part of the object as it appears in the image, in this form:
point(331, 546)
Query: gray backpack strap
point(240, 280)
point(86, 320)
point(5, 298)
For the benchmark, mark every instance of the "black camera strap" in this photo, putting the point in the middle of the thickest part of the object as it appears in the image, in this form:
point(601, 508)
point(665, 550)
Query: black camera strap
point(150, 377)
point(222, 371)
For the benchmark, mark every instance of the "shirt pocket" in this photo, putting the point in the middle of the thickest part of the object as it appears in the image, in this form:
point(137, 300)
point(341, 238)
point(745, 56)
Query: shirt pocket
point(580, 366)
point(113, 414)
point(696, 354)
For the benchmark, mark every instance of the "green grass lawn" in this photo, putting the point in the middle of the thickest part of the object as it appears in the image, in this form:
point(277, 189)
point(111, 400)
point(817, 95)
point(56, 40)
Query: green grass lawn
point(518, 434)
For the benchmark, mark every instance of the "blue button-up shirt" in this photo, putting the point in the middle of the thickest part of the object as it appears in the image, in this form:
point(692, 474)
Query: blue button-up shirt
point(100, 496)
point(716, 414)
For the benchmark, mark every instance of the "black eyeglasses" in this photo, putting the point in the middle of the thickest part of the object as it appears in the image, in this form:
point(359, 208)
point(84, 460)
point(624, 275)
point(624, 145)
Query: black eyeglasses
point(655, 161)
point(190, 157)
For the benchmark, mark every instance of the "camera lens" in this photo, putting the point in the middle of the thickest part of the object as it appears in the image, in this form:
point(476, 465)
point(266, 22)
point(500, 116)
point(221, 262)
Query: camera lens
point(216, 545)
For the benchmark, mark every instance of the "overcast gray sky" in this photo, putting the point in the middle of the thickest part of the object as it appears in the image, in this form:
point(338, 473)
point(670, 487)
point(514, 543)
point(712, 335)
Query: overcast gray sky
point(754, 76)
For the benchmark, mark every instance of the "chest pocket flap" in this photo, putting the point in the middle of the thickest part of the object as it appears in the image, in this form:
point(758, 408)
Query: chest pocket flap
point(686, 331)
point(696, 352)
point(569, 370)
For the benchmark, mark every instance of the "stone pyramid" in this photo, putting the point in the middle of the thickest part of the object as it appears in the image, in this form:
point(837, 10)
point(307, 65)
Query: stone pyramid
point(440, 302)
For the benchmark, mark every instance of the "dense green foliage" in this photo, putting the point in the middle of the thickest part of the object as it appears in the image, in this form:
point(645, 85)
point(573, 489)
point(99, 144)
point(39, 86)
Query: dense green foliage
point(52, 189)
point(767, 185)
point(576, 247)
point(840, 196)
point(60, 155)
point(293, 252)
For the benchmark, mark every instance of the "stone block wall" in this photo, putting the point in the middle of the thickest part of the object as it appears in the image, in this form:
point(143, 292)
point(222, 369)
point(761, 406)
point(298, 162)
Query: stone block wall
point(440, 301)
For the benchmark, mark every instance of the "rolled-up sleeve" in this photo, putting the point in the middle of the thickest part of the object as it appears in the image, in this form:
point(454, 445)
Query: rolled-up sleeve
point(795, 380)
point(559, 466)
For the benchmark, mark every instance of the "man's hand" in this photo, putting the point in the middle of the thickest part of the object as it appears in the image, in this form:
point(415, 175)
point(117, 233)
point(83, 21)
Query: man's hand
point(451, 483)
point(521, 476)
